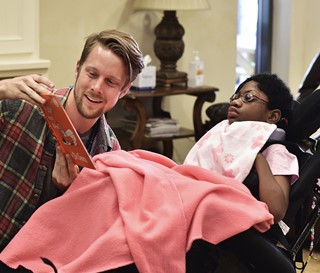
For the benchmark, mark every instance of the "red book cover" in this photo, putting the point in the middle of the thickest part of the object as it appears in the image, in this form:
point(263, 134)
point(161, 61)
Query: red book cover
point(64, 131)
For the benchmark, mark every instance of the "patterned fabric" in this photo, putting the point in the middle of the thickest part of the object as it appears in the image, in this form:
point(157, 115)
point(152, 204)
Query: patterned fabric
point(230, 150)
point(282, 162)
point(27, 149)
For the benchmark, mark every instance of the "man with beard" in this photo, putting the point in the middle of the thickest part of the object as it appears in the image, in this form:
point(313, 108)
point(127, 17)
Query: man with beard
point(33, 169)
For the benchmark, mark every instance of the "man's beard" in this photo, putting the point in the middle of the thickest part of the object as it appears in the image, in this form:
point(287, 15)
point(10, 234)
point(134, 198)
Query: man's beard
point(92, 115)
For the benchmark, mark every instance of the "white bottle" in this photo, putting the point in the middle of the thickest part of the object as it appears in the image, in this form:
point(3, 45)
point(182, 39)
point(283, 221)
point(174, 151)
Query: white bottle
point(196, 71)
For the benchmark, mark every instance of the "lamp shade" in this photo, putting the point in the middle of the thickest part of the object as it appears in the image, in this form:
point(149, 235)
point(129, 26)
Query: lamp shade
point(171, 4)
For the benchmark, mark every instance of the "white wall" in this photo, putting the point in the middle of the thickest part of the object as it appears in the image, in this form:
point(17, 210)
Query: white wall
point(19, 39)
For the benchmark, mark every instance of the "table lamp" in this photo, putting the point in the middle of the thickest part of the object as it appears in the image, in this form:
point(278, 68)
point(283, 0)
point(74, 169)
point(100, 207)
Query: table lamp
point(169, 46)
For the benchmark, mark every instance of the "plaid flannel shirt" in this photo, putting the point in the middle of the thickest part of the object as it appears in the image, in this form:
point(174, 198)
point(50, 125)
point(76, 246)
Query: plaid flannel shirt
point(27, 148)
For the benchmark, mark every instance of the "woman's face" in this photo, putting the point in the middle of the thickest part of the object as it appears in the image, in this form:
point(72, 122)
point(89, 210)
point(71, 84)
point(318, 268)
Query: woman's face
point(249, 104)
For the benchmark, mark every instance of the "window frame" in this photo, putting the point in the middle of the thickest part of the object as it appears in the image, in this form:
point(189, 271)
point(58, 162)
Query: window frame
point(264, 36)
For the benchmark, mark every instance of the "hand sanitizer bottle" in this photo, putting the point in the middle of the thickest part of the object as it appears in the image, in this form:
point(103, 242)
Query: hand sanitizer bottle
point(196, 69)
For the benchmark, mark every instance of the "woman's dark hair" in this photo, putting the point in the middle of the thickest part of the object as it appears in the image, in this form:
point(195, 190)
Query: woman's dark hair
point(278, 93)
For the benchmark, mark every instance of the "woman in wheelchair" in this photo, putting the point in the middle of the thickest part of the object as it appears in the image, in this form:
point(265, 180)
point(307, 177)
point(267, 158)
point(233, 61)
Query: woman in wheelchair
point(259, 103)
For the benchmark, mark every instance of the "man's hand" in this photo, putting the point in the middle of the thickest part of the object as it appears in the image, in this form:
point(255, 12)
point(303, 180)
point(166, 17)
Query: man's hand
point(64, 170)
point(25, 88)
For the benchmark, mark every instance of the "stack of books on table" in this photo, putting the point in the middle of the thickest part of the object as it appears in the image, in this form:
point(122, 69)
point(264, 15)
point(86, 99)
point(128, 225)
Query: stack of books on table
point(161, 127)
point(155, 127)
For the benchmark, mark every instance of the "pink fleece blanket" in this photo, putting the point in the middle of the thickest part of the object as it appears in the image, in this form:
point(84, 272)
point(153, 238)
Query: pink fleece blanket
point(137, 207)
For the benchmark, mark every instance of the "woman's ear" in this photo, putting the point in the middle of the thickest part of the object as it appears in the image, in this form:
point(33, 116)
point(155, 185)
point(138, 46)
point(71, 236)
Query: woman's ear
point(274, 116)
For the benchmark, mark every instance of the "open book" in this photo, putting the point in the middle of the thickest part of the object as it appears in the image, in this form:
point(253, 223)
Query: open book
point(64, 131)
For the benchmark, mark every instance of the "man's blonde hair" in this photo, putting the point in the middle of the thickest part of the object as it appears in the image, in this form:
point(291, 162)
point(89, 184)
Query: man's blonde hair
point(121, 44)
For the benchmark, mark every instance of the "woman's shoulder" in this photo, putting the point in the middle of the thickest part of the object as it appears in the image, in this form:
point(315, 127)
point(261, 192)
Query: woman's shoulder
point(276, 149)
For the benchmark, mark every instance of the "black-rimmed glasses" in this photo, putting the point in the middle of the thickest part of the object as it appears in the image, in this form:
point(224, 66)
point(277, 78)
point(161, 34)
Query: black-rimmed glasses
point(246, 97)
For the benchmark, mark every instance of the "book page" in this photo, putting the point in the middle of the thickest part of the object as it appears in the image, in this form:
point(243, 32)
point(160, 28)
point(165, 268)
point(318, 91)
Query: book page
point(64, 131)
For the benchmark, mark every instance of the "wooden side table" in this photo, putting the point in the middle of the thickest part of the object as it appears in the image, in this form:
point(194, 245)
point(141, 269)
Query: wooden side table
point(133, 101)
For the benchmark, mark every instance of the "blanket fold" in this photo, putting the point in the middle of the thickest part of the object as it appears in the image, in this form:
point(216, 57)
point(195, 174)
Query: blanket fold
point(137, 207)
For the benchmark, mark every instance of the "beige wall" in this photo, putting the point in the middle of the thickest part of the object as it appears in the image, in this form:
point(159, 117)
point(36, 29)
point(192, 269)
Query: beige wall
point(296, 39)
point(63, 26)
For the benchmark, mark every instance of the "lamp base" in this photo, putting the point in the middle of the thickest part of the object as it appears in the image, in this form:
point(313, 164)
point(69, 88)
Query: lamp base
point(171, 78)
point(169, 48)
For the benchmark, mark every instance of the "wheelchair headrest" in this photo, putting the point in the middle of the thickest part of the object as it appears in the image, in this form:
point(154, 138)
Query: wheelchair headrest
point(306, 118)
